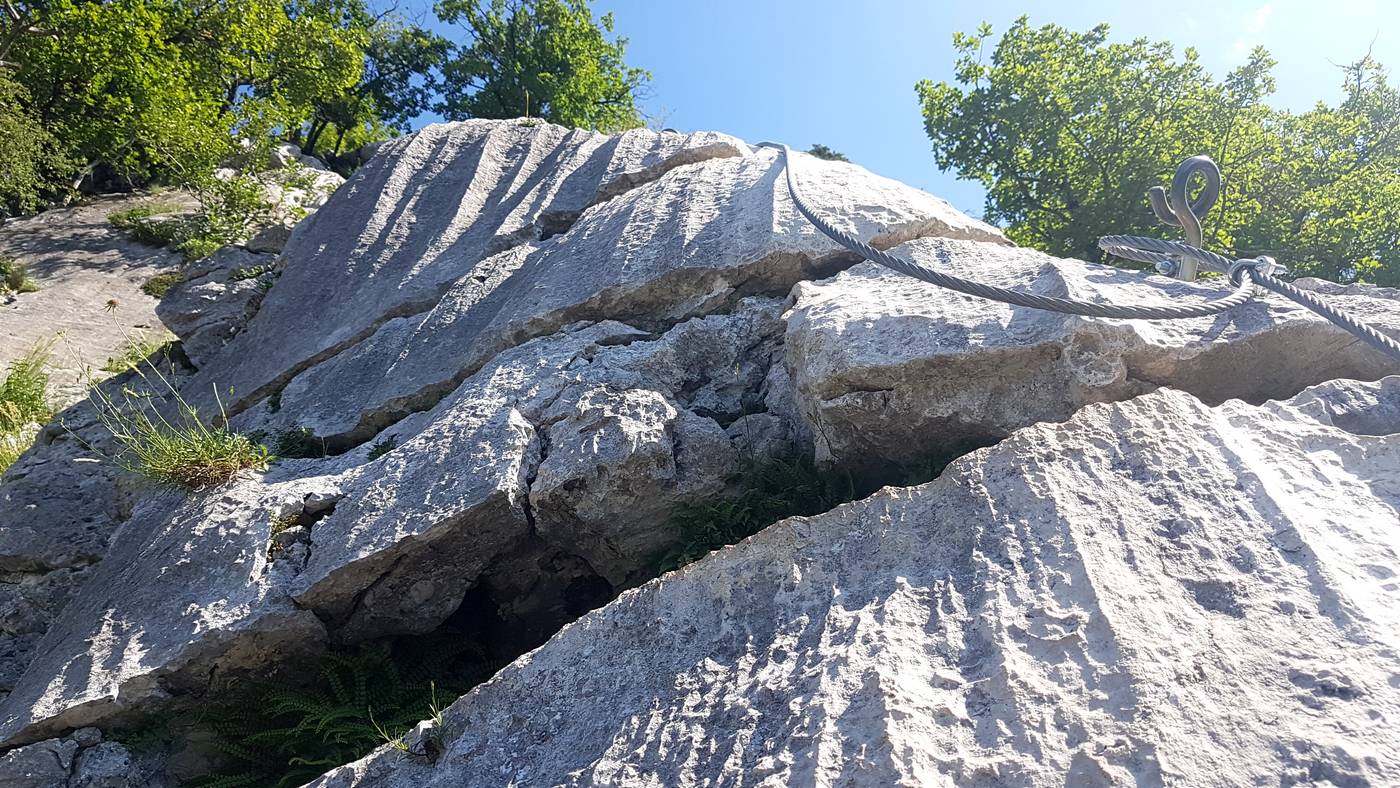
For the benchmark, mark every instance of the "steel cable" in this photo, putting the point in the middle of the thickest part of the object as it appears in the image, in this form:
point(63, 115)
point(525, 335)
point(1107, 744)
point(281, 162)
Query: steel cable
point(1130, 247)
point(1242, 294)
point(1148, 250)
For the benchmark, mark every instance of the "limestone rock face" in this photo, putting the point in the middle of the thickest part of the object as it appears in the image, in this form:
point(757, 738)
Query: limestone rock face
point(891, 367)
point(500, 357)
point(1152, 592)
point(82, 760)
point(215, 300)
point(421, 214)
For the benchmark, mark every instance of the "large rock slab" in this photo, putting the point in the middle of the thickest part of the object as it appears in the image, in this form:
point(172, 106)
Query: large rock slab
point(559, 460)
point(420, 215)
point(669, 226)
point(687, 243)
point(889, 369)
point(81, 263)
point(1154, 592)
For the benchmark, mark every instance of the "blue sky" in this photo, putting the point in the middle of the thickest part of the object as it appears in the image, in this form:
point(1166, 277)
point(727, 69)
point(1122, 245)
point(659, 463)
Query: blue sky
point(843, 74)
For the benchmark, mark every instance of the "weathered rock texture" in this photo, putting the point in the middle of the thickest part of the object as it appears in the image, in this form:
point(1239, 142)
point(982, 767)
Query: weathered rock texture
point(548, 339)
point(80, 262)
point(888, 366)
point(1154, 592)
point(217, 297)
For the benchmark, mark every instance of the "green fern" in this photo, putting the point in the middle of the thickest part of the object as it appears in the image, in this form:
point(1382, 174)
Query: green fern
point(360, 700)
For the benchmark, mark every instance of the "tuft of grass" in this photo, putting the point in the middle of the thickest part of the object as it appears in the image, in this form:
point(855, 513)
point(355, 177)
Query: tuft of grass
point(382, 447)
point(178, 450)
point(136, 350)
point(23, 403)
point(14, 277)
point(160, 284)
point(150, 224)
point(251, 272)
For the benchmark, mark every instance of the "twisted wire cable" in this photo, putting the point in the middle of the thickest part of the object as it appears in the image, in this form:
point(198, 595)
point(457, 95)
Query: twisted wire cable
point(1243, 293)
point(1147, 250)
point(1358, 329)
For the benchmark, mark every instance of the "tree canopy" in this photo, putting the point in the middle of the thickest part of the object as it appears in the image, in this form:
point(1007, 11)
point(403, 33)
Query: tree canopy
point(108, 92)
point(541, 58)
point(823, 152)
point(1067, 130)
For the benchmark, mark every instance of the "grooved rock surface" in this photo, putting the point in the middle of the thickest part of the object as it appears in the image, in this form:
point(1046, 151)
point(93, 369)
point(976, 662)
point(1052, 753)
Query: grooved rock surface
point(1153, 592)
point(689, 242)
point(421, 214)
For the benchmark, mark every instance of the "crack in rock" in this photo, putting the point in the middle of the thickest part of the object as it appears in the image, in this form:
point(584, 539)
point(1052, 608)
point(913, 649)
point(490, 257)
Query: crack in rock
point(1019, 593)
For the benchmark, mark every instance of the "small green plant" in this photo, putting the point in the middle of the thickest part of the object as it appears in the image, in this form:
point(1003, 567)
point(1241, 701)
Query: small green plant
point(152, 223)
point(128, 218)
point(137, 349)
point(382, 447)
point(160, 284)
point(251, 272)
point(431, 741)
point(23, 403)
point(280, 524)
point(14, 277)
point(179, 450)
point(230, 210)
point(360, 700)
point(298, 443)
point(770, 490)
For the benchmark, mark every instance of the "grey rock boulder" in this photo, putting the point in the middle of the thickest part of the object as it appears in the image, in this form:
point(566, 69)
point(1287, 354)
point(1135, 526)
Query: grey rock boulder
point(687, 243)
point(44, 764)
point(82, 760)
point(419, 215)
point(269, 240)
point(214, 302)
point(1152, 592)
point(892, 369)
point(191, 599)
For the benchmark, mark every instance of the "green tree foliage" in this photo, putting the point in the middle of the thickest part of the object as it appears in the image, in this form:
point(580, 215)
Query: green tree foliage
point(32, 166)
point(395, 86)
point(171, 88)
point(112, 84)
point(539, 58)
point(129, 91)
point(823, 152)
point(1066, 131)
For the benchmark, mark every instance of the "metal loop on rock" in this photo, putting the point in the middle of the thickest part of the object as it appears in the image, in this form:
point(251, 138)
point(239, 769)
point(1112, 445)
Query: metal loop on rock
point(1179, 210)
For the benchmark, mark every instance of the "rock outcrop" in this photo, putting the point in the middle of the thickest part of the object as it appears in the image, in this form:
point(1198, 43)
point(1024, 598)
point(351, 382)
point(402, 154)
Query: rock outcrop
point(1153, 592)
point(504, 353)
